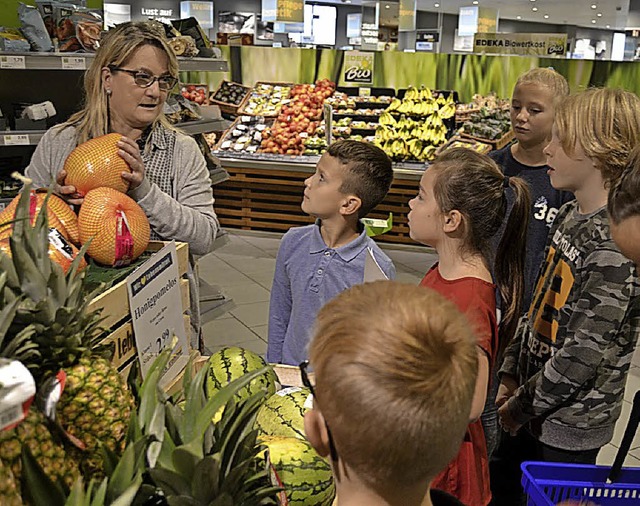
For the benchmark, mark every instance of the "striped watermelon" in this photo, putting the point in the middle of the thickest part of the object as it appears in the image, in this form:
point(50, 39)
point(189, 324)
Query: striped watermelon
point(305, 476)
point(283, 413)
point(232, 363)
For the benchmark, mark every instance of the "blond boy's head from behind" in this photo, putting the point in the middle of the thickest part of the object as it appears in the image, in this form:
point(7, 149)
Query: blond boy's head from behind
point(395, 370)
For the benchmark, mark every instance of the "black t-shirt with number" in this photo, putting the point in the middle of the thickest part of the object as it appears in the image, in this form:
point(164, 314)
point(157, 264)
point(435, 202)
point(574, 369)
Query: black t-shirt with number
point(546, 201)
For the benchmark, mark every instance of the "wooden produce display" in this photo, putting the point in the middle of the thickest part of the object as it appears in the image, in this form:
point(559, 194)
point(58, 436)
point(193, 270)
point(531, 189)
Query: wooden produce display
point(244, 136)
point(269, 199)
point(114, 303)
point(225, 92)
point(494, 143)
point(266, 99)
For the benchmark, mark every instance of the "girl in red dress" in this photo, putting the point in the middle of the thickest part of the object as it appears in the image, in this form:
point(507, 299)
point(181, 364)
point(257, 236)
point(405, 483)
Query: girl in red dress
point(460, 206)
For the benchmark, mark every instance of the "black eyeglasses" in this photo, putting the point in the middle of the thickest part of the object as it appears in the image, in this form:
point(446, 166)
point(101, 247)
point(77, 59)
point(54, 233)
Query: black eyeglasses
point(145, 80)
point(305, 381)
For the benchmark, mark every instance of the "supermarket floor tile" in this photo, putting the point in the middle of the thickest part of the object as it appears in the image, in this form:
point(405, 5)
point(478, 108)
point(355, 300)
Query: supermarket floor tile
point(608, 454)
point(246, 293)
point(264, 279)
point(226, 332)
point(252, 315)
point(262, 331)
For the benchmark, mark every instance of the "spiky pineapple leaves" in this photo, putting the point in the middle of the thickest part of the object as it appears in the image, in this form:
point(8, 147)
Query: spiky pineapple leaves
point(202, 463)
point(119, 488)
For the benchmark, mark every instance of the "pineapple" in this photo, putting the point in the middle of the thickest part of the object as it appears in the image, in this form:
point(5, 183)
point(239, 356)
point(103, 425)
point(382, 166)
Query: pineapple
point(202, 463)
point(96, 404)
point(95, 408)
point(33, 432)
point(9, 490)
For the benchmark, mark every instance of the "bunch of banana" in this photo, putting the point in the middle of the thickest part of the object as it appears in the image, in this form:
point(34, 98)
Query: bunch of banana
point(407, 106)
point(386, 119)
point(415, 147)
point(393, 106)
point(385, 133)
point(412, 93)
point(448, 109)
point(428, 153)
point(425, 93)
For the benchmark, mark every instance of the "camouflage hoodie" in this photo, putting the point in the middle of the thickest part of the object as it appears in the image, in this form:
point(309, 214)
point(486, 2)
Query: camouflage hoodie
point(572, 352)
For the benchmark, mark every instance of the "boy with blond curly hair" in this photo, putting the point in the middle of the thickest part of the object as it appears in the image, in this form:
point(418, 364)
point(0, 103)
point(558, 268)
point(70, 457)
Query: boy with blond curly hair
point(563, 377)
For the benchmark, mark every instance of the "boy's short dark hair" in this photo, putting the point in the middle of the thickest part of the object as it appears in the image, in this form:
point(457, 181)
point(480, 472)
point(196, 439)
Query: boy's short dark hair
point(369, 172)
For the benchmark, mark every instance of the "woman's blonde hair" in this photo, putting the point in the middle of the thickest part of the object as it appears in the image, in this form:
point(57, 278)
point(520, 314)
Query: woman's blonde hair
point(605, 122)
point(116, 48)
point(396, 369)
point(546, 77)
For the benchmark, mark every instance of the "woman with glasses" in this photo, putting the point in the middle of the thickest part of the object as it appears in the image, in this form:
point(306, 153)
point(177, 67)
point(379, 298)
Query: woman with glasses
point(125, 88)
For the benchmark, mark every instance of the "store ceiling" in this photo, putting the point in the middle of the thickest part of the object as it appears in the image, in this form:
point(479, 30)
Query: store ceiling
point(614, 13)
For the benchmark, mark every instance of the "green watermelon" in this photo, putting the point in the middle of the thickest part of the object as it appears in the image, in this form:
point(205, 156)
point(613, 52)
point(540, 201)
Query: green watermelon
point(232, 363)
point(283, 413)
point(305, 476)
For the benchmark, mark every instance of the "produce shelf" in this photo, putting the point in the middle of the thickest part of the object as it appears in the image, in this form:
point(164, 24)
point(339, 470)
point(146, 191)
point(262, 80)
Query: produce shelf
point(80, 61)
point(267, 195)
point(32, 137)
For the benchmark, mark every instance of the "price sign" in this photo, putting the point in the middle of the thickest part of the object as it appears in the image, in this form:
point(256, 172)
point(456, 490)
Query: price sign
point(73, 63)
point(156, 311)
point(12, 62)
point(16, 140)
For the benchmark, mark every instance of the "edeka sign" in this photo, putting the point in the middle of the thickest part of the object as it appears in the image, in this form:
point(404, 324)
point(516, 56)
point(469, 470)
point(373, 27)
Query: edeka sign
point(290, 11)
point(540, 44)
point(407, 16)
point(358, 67)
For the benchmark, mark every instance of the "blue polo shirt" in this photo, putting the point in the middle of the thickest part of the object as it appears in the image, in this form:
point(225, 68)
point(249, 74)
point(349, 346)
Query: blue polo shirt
point(309, 274)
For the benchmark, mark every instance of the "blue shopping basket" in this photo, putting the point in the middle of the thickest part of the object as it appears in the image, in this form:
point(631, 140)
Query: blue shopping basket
point(547, 484)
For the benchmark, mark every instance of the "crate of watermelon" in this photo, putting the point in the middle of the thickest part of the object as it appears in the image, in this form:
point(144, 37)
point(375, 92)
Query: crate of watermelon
point(305, 477)
point(229, 96)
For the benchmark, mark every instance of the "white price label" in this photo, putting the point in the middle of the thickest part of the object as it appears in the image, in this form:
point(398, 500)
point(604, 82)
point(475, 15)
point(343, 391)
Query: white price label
point(12, 62)
point(16, 140)
point(364, 92)
point(73, 63)
point(11, 416)
point(156, 310)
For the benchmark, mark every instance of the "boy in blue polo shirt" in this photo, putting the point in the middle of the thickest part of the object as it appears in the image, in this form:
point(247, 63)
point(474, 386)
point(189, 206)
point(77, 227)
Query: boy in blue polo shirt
point(317, 262)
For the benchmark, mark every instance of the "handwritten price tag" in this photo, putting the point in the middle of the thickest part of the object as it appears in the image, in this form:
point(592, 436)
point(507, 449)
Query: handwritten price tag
point(73, 63)
point(12, 62)
point(16, 140)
